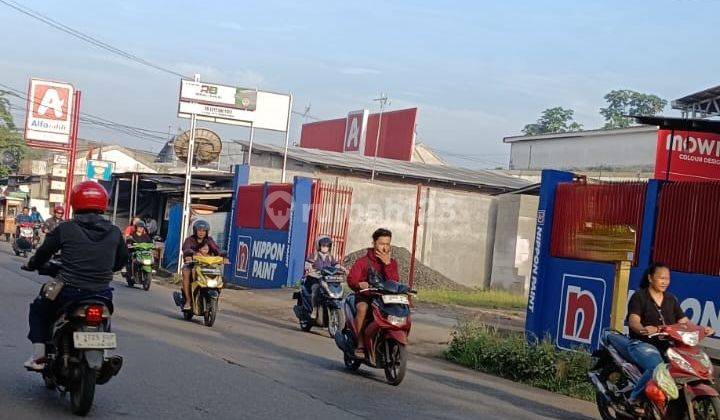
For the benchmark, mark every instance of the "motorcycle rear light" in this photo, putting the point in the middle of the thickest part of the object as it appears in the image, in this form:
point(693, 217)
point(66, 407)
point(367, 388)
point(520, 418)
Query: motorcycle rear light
point(94, 315)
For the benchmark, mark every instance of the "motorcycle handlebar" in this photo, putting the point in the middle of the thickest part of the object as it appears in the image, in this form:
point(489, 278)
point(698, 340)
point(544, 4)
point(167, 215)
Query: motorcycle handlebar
point(658, 334)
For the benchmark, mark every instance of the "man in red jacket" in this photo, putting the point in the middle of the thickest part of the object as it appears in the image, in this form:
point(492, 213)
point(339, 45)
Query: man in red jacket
point(377, 257)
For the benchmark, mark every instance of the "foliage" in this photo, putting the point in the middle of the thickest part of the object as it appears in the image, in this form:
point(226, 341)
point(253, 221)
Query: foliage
point(10, 138)
point(629, 102)
point(495, 299)
point(553, 120)
point(509, 355)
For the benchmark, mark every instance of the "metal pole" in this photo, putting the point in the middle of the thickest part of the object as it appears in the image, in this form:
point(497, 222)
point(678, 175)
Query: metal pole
point(115, 201)
point(70, 177)
point(287, 138)
point(383, 99)
point(132, 195)
point(188, 183)
point(252, 138)
point(135, 193)
point(411, 276)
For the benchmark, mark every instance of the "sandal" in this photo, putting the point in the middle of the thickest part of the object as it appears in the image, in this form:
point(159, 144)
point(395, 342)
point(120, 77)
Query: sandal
point(359, 353)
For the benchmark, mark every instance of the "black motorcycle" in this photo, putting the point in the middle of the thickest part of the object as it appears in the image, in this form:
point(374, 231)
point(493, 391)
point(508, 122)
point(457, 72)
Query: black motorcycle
point(329, 300)
point(75, 355)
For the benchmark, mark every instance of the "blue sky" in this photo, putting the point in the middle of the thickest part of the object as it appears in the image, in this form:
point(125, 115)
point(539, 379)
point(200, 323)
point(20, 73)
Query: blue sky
point(478, 70)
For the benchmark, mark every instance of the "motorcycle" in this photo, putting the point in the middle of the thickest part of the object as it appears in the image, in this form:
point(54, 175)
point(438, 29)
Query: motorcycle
point(141, 266)
point(205, 287)
point(329, 301)
point(23, 243)
point(75, 360)
point(688, 392)
point(37, 227)
point(385, 334)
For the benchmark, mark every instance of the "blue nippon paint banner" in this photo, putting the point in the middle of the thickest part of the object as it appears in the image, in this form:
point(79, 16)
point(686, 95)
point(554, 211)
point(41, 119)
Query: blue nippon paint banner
point(260, 258)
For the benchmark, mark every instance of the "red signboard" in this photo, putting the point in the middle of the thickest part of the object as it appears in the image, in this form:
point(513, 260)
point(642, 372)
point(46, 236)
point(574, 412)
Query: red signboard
point(687, 156)
point(355, 128)
point(397, 134)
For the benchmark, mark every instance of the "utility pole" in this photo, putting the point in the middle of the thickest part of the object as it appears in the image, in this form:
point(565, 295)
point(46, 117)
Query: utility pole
point(383, 99)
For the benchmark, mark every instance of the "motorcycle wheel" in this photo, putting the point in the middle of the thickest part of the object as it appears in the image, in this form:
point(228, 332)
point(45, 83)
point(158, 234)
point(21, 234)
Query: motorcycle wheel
point(146, 280)
point(306, 323)
point(607, 412)
point(706, 408)
point(211, 306)
point(188, 315)
point(351, 363)
point(395, 362)
point(17, 253)
point(49, 381)
point(82, 390)
point(334, 321)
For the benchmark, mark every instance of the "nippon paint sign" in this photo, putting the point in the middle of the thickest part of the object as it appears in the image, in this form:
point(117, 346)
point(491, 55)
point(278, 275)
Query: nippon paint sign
point(260, 257)
point(687, 156)
point(49, 112)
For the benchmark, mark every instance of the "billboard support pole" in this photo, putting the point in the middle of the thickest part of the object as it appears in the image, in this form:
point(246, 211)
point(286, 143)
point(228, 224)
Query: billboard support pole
point(71, 153)
point(383, 99)
point(252, 138)
point(287, 138)
point(188, 183)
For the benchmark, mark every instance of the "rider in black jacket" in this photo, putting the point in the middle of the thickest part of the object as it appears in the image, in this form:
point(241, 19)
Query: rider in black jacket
point(91, 249)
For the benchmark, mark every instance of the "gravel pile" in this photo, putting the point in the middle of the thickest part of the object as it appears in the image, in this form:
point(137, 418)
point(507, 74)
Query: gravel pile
point(425, 277)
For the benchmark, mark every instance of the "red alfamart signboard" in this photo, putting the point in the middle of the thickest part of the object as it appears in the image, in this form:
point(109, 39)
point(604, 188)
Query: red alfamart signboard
point(687, 156)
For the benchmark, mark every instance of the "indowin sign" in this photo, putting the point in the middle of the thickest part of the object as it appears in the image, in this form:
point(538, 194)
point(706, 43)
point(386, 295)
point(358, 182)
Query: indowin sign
point(687, 156)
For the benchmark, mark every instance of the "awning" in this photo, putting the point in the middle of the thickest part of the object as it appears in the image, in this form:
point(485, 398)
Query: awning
point(684, 124)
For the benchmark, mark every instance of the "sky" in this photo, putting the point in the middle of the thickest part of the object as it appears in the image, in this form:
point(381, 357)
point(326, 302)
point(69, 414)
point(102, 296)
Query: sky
point(477, 70)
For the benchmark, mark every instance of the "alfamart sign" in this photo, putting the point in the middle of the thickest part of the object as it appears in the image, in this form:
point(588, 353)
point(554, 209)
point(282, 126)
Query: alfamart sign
point(50, 110)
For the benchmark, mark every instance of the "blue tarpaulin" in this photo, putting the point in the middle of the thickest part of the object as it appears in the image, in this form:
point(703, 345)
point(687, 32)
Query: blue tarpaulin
point(172, 242)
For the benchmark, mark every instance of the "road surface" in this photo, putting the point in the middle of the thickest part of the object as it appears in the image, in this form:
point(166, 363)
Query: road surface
point(253, 364)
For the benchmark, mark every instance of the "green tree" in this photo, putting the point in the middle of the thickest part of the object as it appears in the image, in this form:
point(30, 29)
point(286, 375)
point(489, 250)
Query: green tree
point(10, 138)
point(629, 102)
point(553, 120)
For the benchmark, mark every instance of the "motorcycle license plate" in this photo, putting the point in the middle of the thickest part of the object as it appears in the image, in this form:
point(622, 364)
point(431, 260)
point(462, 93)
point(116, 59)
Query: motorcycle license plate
point(94, 340)
point(401, 299)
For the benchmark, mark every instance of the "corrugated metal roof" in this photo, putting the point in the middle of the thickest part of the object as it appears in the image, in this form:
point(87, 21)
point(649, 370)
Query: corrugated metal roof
point(397, 168)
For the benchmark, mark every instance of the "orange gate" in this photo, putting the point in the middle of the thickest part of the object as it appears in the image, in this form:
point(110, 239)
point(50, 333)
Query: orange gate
point(329, 216)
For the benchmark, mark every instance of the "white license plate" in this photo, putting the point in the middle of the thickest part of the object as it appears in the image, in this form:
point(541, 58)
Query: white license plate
point(395, 299)
point(94, 340)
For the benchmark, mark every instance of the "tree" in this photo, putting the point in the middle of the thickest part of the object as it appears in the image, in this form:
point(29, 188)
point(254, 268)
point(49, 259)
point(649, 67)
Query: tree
point(629, 102)
point(553, 120)
point(10, 138)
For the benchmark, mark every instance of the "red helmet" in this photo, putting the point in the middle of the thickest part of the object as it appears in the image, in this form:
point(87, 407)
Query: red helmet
point(59, 209)
point(88, 196)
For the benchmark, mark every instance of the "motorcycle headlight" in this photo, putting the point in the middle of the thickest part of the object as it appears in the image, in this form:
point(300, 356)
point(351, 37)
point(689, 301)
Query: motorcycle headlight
point(690, 338)
point(680, 361)
point(397, 320)
point(212, 283)
point(147, 262)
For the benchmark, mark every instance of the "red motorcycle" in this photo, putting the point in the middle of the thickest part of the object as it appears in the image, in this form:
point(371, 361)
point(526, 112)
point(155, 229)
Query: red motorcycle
point(23, 243)
point(688, 392)
point(386, 333)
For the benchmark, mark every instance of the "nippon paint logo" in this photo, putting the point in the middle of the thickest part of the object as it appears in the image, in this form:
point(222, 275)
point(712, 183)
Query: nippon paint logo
point(242, 261)
point(582, 303)
point(535, 266)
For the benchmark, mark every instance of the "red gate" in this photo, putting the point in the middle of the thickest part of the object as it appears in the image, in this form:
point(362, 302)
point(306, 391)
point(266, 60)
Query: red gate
point(329, 216)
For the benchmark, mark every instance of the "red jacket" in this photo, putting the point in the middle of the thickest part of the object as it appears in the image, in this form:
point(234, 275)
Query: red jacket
point(359, 271)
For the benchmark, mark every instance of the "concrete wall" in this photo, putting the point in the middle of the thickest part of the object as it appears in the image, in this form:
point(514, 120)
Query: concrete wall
point(514, 240)
point(627, 148)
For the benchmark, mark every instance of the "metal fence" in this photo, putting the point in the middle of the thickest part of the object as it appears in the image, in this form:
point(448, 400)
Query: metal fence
point(580, 206)
point(687, 234)
point(330, 216)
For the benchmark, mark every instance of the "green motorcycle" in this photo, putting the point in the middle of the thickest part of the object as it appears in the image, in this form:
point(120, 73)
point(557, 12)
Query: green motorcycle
point(141, 269)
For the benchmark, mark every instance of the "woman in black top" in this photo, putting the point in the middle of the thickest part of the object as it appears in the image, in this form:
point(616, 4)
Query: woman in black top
point(649, 308)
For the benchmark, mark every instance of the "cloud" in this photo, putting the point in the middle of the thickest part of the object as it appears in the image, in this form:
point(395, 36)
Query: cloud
point(359, 71)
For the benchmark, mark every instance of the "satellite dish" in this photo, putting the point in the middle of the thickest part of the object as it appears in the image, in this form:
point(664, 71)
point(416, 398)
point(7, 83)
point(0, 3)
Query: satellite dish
point(8, 158)
point(207, 146)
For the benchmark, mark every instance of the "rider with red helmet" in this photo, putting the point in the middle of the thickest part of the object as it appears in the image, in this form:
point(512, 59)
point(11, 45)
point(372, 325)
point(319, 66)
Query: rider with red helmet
point(91, 249)
point(57, 217)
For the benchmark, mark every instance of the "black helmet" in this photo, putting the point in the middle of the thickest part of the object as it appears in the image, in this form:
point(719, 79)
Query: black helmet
point(325, 241)
point(201, 224)
point(141, 224)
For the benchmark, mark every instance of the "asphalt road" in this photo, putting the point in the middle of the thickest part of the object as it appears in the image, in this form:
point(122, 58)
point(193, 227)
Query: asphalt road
point(250, 365)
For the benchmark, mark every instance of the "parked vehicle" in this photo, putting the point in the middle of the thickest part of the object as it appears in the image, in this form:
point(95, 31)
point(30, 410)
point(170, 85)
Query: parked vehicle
point(207, 282)
point(141, 266)
point(329, 302)
point(75, 358)
point(23, 243)
point(386, 332)
point(688, 391)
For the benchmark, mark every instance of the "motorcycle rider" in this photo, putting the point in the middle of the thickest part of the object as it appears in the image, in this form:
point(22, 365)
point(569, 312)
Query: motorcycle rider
point(139, 235)
point(314, 265)
point(21, 218)
point(56, 219)
point(191, 245)
point(35, 216)
point(378, 258)
point(91, 250)
point(649, 308)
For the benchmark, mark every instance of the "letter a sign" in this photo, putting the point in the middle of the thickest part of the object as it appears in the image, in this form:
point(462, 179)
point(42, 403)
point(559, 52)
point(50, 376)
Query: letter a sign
point(50, 109)
point(355, 129)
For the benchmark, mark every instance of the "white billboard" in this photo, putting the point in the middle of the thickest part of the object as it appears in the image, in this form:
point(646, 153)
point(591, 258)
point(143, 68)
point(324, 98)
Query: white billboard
point(49, 111)
point(234, 105)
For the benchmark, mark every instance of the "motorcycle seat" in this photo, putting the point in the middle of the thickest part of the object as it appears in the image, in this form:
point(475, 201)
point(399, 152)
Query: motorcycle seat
point(620, 343)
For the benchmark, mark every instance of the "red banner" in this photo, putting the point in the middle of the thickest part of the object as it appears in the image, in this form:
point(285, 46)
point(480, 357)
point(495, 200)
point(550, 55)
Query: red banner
point(687, 156)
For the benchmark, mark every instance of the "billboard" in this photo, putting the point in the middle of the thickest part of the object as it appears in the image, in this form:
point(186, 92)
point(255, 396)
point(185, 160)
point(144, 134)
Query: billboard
point(397, 134)
point(49, 112)
point(99, 170)
point(234, 105)
point(687, 156)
